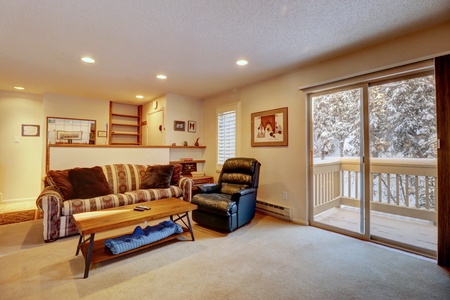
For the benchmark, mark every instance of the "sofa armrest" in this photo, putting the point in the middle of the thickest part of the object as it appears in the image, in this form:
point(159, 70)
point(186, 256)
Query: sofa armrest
point(49, 192)
point(50, 201)
point(186, 184)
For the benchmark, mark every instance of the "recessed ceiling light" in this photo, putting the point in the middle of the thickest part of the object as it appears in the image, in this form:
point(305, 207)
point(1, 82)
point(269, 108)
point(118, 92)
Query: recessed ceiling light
point(88, 60)
point(242, 62)
point(19, 88)
point(161, 76)
point(139, 96)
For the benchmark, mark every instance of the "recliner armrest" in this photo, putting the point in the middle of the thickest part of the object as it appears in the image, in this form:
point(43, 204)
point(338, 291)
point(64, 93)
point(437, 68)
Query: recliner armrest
point(236, 195)
point(208, 188)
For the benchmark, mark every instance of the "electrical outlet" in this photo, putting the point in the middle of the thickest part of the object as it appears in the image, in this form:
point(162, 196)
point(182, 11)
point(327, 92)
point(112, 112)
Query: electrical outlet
point(284, 195)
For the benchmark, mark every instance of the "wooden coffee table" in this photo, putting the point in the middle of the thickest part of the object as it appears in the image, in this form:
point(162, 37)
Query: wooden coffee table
point(90, 223)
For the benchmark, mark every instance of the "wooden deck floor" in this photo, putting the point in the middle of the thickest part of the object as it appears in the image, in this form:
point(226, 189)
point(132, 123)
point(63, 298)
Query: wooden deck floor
point(418, 233)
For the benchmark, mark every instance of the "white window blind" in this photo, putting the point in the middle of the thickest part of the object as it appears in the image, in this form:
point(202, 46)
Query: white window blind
point(226, 134)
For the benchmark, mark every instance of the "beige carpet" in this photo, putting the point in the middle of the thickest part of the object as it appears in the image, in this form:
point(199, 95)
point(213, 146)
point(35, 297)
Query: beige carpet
point(268, 259)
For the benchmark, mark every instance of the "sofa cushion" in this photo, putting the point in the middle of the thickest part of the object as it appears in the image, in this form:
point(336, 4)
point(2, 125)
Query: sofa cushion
point(124, 177)
point(157, 176)
point(88, 182)
point(176, 174)
point(59, 179)
point(74, 206)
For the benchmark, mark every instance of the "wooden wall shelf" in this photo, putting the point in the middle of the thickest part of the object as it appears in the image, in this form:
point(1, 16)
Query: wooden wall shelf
point(125, 122)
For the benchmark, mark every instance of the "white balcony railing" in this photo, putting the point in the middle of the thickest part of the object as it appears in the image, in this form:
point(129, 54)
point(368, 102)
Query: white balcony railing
point(399, 186)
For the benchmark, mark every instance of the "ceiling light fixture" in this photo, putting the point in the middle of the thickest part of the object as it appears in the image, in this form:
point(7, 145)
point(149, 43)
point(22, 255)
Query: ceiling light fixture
point(242, 62)
point(161, 76)
point(19, 88)
point(139, 96)
point(88, 60)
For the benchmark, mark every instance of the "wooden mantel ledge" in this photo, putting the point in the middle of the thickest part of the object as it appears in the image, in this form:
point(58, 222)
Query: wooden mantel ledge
point(122, 146)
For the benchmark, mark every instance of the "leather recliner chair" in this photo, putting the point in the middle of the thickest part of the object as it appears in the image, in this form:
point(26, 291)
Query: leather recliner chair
point(231, 202)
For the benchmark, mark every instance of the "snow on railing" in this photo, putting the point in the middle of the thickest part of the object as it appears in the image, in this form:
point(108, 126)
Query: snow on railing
point(400, 186)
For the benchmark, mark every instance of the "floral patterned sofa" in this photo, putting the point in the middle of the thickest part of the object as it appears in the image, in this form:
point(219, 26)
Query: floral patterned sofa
point(67, 192)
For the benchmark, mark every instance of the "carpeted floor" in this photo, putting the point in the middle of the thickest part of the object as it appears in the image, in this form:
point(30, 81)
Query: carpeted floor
point(17, 216)
point(267, 259)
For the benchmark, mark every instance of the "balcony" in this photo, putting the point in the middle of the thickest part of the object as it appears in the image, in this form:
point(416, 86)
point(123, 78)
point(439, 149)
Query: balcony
point(403, 197)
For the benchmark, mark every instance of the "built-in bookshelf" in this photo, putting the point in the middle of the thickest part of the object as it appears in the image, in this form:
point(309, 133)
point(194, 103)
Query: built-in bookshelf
point(125, 124)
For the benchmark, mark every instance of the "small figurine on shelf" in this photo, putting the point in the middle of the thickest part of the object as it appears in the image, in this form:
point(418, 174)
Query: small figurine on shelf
point(196, 142)
point(185, 143)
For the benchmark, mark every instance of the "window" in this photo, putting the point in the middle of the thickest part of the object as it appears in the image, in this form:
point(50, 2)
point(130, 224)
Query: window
point(226, 133)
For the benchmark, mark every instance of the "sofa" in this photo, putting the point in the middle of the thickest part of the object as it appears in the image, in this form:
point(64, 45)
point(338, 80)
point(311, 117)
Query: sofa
point(72, 191)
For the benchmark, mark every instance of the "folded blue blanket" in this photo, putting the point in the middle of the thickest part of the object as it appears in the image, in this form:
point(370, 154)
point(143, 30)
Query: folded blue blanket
point(141, 237)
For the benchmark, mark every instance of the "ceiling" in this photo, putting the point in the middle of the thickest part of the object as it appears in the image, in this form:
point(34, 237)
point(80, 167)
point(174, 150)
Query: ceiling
point(194, 42)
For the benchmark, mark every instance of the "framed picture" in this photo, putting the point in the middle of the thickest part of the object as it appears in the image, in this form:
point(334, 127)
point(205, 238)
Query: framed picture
point(179, 125)
point(30, 130)
point(270, 128)
point(69, 135)
point(192, 126)
point(102, 133)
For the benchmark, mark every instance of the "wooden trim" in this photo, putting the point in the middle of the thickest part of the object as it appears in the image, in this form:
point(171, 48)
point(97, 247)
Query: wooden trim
point(442, 75)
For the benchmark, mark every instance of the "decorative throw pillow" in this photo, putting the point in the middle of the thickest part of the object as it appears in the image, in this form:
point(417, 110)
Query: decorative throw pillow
point(158, 176)
point(59, 179)
point(176, 174)
point(88, 182)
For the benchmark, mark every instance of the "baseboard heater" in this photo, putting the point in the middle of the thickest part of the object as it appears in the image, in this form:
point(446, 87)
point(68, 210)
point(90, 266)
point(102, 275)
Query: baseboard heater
point(274, 210)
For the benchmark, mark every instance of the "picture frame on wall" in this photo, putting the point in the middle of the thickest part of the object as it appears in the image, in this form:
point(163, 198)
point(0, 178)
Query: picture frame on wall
point(30, 130)
point(102, 133)
point(179, 125)
point(192, 126)
point(269, 128)
point(69, 135)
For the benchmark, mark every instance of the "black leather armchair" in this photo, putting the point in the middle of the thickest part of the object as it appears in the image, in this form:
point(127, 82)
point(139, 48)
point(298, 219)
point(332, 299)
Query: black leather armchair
point(230, 203)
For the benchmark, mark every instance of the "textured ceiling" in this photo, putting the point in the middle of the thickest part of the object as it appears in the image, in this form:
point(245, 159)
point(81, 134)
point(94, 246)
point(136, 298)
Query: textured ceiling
point(194, 42)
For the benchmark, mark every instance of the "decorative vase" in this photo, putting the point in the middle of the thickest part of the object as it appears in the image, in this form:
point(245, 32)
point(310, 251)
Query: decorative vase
point(185, 143)
point(196, 142)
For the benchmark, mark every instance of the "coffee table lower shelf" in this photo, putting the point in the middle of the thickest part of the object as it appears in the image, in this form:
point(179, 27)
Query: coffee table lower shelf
point(101, 253)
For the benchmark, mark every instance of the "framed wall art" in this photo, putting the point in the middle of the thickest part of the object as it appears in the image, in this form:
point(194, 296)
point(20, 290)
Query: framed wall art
point(192, 126)
point(270, 128)
point(179, 125)
point(30, 130)
point(69, 135)
point(102, 133)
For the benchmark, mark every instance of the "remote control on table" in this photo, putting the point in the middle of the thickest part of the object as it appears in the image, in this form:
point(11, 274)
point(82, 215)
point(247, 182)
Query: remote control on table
point(143, 207)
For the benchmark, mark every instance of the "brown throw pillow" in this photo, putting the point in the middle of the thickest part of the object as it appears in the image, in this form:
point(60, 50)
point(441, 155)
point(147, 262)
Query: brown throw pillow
point(88, 182)
point(59, 179)
point(176, 174)
point(158, 176)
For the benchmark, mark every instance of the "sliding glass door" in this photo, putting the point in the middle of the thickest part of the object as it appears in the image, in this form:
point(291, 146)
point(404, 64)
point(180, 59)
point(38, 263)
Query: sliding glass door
point(403, 151)
point(373, 154)
point(336, 160)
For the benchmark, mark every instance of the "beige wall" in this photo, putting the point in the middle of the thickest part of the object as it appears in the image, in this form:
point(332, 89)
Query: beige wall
point(285, 168)
point(20, 162)
point(182, 108)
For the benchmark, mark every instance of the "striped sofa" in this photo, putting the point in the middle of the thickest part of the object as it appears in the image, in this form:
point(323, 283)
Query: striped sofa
point(124, 182)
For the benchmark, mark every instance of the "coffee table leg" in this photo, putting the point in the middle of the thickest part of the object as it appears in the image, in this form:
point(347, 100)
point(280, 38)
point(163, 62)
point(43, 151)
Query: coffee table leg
point(79, 244)
point(89, 256)
point(190, 226)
